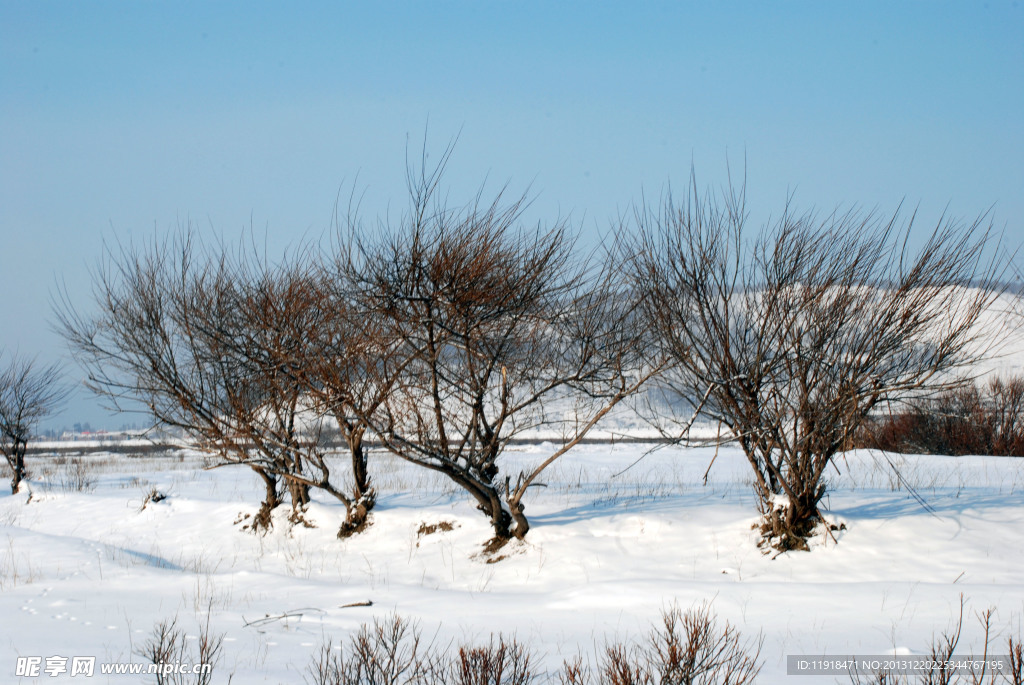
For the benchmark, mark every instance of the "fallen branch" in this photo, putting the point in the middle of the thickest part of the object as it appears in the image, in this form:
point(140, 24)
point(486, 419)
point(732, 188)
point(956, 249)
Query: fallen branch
point(294, 613)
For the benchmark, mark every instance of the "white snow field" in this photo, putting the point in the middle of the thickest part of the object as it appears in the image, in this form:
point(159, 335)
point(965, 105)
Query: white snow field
point(86, 570)
point(89, 572)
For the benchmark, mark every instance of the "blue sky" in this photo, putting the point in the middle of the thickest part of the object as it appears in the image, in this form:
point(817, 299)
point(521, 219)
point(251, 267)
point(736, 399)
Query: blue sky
point(120, 119)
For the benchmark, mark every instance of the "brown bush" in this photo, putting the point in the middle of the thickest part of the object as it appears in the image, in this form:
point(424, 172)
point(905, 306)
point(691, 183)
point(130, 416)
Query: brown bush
point(976, 419)
point(500, 662)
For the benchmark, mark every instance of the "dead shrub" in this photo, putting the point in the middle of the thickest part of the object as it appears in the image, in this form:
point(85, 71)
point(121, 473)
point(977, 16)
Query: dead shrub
point(388, 652)
point(168, 647)
point(1016, 652)
point(624, 666)
point(76, 476)
point(574, 672)
point(500, 662)
point(943, 655)
point(687, 648)
point(154, 496)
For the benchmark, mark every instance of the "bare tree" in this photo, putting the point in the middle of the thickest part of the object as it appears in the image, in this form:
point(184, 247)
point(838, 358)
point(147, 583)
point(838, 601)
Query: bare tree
point(278, 335)
point(216, 345)
point(350, 370)
point(28, 393)
point(497, 331)
point(790, 335)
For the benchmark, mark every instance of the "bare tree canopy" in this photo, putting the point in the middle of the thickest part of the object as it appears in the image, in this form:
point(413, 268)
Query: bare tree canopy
point(495, 330)
point(791, 334)
point(28, 393)
point(216, 344)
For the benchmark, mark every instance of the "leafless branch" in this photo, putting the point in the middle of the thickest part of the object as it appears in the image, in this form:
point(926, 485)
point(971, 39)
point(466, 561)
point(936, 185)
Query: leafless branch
point(799, 329)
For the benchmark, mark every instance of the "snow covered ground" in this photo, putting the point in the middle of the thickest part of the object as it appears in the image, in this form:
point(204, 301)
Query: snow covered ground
point(90, 572)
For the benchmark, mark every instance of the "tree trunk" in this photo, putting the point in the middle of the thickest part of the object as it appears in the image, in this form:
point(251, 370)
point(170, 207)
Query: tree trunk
point(360, 473)
point(18, 467)
point(509, 521)
point(788, 526)
point(357, 515)
point(364, 496)
point(489, 501)
point(299, 493)
point(522, 525)
point(263, 522)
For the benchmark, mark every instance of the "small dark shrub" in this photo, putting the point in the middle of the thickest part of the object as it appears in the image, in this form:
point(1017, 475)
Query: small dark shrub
point(624, 666)
point(154, 496)
point(390, 653)
point(1016, 651)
